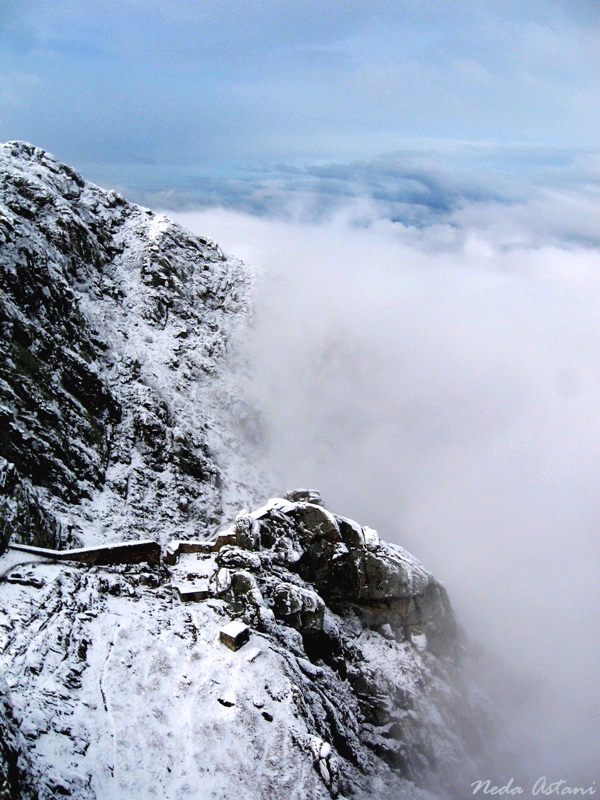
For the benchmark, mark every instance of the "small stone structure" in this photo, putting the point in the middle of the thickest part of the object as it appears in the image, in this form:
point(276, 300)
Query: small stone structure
point(195, 592)
point(234, 635)
point(304, 496)
point(176, 547)
point(101, 556)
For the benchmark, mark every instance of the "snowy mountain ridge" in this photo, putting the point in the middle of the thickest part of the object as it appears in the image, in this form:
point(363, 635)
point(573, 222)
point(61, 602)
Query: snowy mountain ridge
point(121, 421)
point(114, 391)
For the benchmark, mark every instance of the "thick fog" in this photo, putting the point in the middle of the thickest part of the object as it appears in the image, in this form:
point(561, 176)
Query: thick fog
point(442, 384)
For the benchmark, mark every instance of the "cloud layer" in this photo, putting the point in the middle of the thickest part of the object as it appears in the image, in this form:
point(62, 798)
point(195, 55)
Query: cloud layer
point(442, 384)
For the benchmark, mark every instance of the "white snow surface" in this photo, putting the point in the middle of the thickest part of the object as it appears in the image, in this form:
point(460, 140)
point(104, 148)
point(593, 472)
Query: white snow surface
point(123, 692)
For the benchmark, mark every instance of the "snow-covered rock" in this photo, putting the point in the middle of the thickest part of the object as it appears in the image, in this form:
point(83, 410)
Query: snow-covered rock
point(16, 772)
point(118, 415)
point(347, 687)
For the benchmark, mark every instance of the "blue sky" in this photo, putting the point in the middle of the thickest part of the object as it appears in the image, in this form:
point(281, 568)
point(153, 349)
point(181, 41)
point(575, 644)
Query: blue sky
point(193, 97)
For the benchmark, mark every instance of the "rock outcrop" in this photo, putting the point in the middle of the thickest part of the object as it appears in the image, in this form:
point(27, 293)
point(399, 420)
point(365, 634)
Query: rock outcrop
point(321, 584)
point(16, 772)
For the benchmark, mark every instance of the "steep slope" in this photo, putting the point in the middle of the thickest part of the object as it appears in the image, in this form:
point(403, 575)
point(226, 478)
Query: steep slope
point(115, 402)
point(120, 419)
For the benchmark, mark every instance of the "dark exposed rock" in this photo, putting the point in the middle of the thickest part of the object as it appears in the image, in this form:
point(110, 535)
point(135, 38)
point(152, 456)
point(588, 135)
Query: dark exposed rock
point(22, 514)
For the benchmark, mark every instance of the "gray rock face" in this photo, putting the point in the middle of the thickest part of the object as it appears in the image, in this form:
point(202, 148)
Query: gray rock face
point(113, 388)
point(23, 512)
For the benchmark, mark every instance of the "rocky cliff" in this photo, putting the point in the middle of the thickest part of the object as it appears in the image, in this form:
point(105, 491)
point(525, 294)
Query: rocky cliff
point(116, 408)
point(121, 421)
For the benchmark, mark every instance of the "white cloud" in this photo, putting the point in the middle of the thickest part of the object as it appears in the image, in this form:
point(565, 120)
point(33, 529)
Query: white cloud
point(443, 385)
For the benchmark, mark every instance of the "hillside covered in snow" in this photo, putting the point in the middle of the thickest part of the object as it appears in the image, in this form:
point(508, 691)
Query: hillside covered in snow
point(121, 420)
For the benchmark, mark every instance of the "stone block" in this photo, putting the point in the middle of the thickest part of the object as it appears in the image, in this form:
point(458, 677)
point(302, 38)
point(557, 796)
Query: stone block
point(234, 635)
point(171, 553)
point(223, 539)
point(178, 546)
point(194, 592)
point(195, 546)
